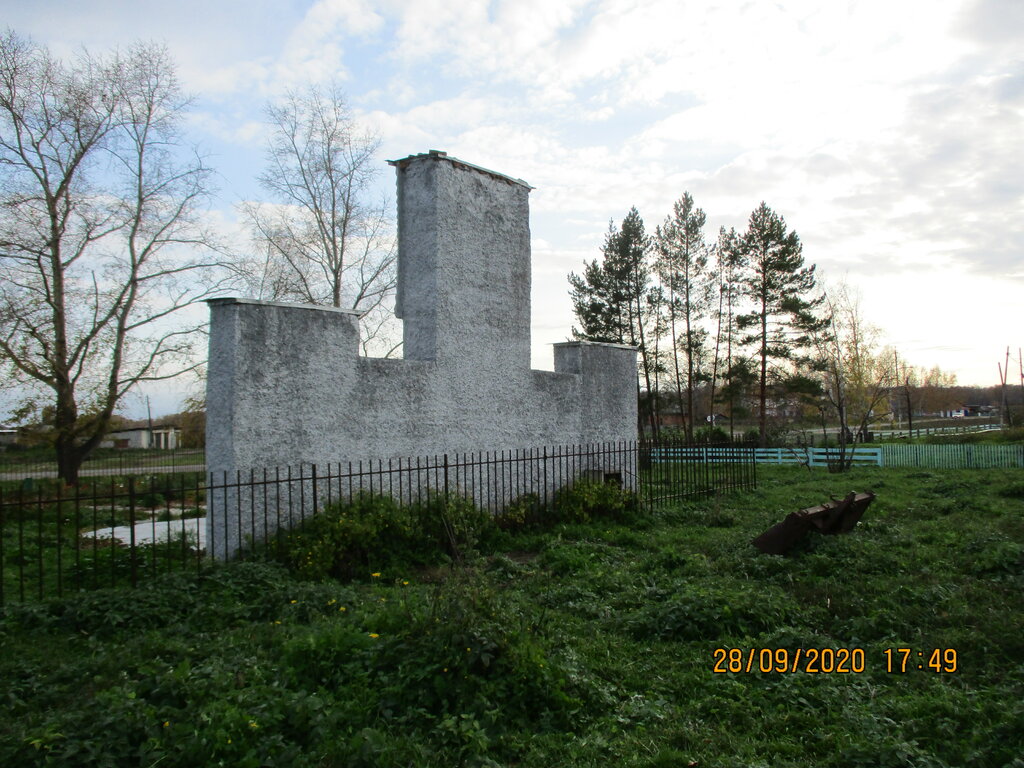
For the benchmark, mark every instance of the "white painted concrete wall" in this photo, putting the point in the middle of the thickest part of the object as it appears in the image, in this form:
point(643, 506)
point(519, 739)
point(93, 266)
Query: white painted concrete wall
point(285, 384)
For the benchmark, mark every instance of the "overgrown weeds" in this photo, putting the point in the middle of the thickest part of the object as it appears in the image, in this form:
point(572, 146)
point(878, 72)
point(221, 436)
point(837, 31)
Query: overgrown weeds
point(585, 642)
point(368, 534)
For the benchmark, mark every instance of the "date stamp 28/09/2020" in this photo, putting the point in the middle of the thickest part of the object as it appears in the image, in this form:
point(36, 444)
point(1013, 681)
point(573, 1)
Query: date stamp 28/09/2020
point(827, 661)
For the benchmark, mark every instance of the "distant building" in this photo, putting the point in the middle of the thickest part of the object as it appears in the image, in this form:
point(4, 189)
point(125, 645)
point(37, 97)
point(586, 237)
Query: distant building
point(971, 411)
point(164, 437)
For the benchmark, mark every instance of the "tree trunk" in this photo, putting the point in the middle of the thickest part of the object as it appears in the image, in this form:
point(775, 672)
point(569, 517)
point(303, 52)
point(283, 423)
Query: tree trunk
point(639, 412)
point(689, 374)
point(910, 415)
point(714, 367)
point(763, 395)
point(645, 362)
point(675, 353)
point(69, 459)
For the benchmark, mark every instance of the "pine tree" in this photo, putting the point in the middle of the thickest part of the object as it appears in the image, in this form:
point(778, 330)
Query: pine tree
point(779, 286)
point(613, 299)
point(729, 262)
point(682, 266)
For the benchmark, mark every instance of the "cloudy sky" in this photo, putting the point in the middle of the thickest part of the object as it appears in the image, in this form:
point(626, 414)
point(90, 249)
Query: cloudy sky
point(890, 135)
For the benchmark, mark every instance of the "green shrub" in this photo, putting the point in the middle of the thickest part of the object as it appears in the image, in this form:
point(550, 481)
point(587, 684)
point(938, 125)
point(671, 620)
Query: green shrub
point(711, 435)
point(350, 539)
point(453, 526)
point(524, 512)
point(370, 534)
point(152, 499)
point(588, 500)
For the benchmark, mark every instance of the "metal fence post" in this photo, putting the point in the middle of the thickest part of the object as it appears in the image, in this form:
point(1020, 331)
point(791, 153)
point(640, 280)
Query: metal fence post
point(131, 532)
point(315, 505)
point(544, 475)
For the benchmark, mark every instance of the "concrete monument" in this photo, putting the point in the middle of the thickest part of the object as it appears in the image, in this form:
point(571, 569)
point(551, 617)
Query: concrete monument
point(286, 384)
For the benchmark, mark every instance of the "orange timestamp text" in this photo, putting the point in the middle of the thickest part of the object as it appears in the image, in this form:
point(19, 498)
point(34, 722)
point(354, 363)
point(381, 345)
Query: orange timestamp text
point(820, 661)
point(827, 661)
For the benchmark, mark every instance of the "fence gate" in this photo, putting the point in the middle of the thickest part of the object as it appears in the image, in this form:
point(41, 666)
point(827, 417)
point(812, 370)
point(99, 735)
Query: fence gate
point(675, 471)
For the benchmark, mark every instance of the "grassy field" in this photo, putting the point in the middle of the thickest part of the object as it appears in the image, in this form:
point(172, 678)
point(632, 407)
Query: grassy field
point(40, 462)
point(588, 645)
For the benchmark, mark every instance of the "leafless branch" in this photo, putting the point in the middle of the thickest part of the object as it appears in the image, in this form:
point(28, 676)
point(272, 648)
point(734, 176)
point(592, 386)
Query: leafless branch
point(322, 240)
point(100, 244)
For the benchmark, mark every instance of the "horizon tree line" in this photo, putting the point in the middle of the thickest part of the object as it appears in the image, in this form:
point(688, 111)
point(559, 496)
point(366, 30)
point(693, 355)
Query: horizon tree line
point(740, 325)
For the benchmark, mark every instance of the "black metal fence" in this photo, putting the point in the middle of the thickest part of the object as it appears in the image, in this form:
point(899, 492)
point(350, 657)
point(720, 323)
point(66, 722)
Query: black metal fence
point(108, 533)
point(116, 531)
point(673, 471)
point(250, 507)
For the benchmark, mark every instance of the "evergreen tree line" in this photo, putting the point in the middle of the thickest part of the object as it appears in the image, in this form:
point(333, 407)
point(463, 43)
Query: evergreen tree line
point(734, 331)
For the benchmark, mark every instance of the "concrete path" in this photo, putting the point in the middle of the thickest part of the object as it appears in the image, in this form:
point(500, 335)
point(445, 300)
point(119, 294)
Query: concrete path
point(149, 531)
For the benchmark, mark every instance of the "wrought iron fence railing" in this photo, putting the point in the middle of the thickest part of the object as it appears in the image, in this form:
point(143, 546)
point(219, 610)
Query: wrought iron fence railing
point(119, 531)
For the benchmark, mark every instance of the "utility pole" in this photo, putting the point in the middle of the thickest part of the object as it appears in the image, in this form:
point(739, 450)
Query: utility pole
point(1004, 369)
point(906, 393)
point(1020, 364)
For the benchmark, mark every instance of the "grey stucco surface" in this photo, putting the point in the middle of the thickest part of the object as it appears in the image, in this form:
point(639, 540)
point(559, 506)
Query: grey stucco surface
point(286, 385)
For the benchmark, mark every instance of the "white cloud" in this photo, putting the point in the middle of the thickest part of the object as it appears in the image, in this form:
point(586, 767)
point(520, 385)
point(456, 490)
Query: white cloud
point(314, 50)
point(887, 133)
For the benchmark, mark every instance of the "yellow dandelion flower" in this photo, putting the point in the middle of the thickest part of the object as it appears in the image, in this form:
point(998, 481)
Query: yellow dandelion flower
point(405, 583)
point(332, 601)
point(376, 575)
point(167, 723)
point(374, 635)
point(253, 724)
point(294, 602)
point(341, 607)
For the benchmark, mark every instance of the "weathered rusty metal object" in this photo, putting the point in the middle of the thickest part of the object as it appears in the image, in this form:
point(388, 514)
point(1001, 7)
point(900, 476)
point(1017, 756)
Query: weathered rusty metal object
point(829, 518)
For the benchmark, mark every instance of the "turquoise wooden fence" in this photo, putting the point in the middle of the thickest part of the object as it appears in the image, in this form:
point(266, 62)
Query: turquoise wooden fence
point(814, 457)
point(966, 456)
point(963, 456)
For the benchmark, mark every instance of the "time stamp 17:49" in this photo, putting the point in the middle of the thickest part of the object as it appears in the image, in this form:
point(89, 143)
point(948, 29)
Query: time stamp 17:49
point(827, 661)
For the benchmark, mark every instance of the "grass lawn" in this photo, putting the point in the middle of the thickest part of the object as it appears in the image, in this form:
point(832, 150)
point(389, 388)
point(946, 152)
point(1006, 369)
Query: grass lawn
point(584, 645)
point(40, 460)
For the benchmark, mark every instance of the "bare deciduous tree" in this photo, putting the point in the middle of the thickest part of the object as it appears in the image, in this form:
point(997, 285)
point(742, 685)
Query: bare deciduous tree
point(856, 376)
point(323, 238)
point(99, 233)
